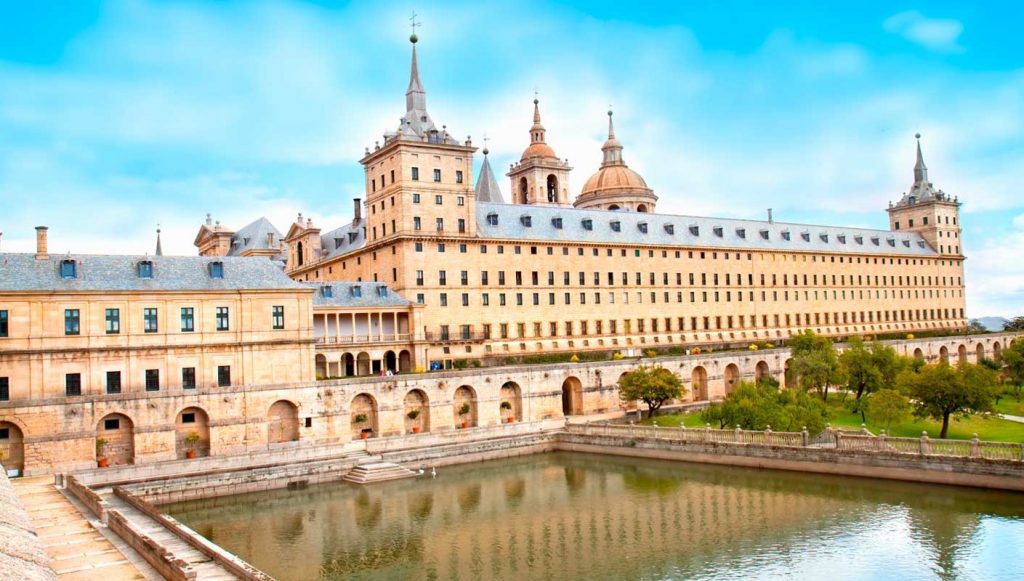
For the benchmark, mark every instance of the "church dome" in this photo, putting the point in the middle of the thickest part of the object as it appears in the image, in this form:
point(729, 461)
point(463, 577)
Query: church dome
point(614, 178)
point(539, 149)
point(614, 186)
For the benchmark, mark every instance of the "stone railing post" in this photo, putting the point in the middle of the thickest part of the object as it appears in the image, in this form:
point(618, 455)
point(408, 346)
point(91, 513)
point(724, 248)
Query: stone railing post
point(836, 437)
point(881, 440)
point(926, 445)
point(738, 434)
point(654, 430)
point(804, 437)
point(975, 447)
point(707, 432)
point(864, 430)
point(768, 435)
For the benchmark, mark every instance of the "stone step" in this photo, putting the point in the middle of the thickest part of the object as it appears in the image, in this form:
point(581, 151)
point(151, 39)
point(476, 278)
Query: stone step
point(371, 472)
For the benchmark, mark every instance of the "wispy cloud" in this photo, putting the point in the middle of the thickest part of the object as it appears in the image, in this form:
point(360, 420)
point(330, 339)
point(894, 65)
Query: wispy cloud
point(938, 34)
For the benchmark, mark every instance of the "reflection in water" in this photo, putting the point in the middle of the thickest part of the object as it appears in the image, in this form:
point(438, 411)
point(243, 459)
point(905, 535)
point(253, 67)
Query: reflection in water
point(572, 516)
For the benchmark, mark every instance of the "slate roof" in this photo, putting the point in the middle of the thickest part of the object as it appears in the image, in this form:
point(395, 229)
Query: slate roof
point(345, 239)
point(254, 237)
point(23, 272)
point(372, 294)
point(487, 189)
point(670, 230)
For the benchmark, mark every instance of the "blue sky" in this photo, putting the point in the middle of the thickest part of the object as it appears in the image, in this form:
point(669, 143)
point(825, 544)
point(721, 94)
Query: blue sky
point(115, 116)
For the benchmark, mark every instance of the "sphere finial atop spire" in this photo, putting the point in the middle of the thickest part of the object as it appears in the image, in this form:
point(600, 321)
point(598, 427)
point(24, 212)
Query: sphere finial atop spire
point(917, 136)
point(412, 37)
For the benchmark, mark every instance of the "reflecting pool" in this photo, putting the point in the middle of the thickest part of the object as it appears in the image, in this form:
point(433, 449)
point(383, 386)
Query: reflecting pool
point(576, 516)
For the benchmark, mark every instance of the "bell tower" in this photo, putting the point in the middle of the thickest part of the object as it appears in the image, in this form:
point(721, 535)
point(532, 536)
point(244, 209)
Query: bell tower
point(540, 177)
point(928, 211)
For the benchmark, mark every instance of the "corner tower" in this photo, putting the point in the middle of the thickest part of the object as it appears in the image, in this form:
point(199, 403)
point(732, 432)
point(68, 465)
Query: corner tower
point(615, 186)
point(540, 177)
point(928, 211)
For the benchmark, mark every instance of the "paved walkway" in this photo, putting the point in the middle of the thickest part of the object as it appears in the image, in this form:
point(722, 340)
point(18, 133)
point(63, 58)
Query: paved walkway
point(76, 549)
point(1017, 419)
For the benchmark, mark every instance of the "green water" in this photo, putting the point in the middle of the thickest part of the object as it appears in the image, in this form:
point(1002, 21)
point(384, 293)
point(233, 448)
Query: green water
point(574, 516)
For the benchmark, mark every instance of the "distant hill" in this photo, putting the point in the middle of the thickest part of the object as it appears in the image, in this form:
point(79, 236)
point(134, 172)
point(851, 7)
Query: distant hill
point(993, 323)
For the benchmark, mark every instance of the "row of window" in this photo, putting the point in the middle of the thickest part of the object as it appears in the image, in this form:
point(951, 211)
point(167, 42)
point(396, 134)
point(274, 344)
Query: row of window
point(113, 384)
point(151, 320)
point(729, 322)
point(924, 222)
point(415, 175)
point(143, 269)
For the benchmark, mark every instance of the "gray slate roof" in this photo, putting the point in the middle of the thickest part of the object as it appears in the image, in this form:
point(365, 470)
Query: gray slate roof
point(688, 231)
point(254, 237)
point(343, 240)
point(373, 294)
point(23, 272)
point(487, 189)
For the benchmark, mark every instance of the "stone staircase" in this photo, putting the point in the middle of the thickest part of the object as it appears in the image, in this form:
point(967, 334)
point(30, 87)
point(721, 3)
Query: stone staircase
point(371, 472)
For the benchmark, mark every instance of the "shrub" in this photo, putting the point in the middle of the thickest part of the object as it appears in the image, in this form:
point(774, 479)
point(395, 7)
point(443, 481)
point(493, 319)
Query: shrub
point(412, 415)
point(753, 347)
point(616, 356)
point(360, 418)
point(575, 359)
point(910, 336)
point(650, 353)
point(464, 409)
point(506, 405)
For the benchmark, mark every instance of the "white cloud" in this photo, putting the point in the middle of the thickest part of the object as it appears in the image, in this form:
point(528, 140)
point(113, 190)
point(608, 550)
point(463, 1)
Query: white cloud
point(938, 34)
point(995, 276)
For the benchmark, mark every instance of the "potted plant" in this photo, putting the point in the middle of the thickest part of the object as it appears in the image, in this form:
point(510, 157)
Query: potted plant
point(191, 439)
point(507, 406)
point(360, 419)
point(101, 459)
point(463, 412)
point(412, 415)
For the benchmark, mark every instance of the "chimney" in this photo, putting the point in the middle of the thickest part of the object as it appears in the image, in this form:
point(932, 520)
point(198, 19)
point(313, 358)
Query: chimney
point(41, 243)
point(357, 210)
point(770, 220)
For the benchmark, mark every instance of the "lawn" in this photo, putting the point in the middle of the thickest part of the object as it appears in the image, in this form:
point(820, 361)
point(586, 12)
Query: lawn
point(987, 428)
point(1010, 405)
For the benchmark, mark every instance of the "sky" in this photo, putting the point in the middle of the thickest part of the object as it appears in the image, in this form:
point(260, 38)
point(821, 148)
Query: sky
point(118, 116)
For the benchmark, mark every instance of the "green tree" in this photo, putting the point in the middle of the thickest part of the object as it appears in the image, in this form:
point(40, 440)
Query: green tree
point(1014, 324)
point(940, 391)
point(868, 368)
point(815, 362)
point(1013, 367)
point(976, 326)
point(651, 385)
point(757, 406)
point(888, 407)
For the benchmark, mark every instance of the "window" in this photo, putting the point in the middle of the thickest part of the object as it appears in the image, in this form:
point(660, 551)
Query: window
point(217, 269)
point(113, 318)
point(438, 199)
point(460, 200)
point(356, 291)
point(188, 377)
point(415, 198)
point(417, 224)
point(222, 319)
point(444, 299)
point(223, 375)
point(442, 277)
point(188, 418)
point(5, 389)
point(145, 269)
point(152, 380)
point(278, 317)
point(149, 320)
point(437, 175)
point(458, 177)
point(616, 226)
point(440, 224)
point(526, 220)
point(73, 384)
point(462, 227)
point(72, 322)
point(113, 382)
point(112, 424)
point(415, 174)
point(588, 224)
point(68, 269)
point(187, 319)
point(4, 324)
point(421, 299)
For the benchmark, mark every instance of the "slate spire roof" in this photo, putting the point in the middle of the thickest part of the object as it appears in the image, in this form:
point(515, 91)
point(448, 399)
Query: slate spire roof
point(159, 248)
point(487, 189)
point(922, 190)
point(920, 169)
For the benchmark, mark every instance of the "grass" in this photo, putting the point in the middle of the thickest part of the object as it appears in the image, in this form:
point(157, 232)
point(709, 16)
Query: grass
point(1010, 405)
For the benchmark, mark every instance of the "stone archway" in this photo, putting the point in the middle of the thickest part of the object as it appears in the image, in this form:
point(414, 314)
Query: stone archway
point(390, 361)
point(918, 354)
point(348, 365)
point(732, 377)
point(944, 354)
point(12, 446)
point(699, 382)
point(979, 353)
point(363, 363)
point(191, 420)
point(511, 406)
point(641, 208)
point(404, 361)
point(789, 376)
point(364, 416)
point(321, 366)
point(282, 422)
point(572, 396)
point(961, 353)
point(417, 405)
point(118, 433)
point(464, 407)
point(997, 351)
point(761, 371)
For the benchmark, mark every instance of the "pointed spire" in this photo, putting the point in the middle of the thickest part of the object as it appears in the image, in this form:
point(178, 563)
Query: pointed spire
point(920, 169)
point(159, 248)
point(537, 131)
point(612, 148)
point(415, 96)
point(487, 189)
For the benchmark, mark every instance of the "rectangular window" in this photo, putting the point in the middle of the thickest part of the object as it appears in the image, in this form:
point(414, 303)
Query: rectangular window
point(113, 382)
point(444, 299)
point(222, 319)
point(152, 380)
point(417, 224)
point(187, 320)
point(188, 377)
point(73, 384)
point(149, 320)
point(72, 322)
point(112, 424)
point(415, 174)
point(278, 317)
point(438, 199)
point(458, 176)
point(437, 175)
point(415, 198)
point(440, 224)
point(223, 375)
point(113, 318)
point(462, 226)
point(5, 389)
point(4, 324)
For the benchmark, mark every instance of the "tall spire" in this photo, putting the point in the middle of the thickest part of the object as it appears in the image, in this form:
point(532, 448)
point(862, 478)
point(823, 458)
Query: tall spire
point(612, 148)
point(159, 248)
point(415, 96)
point(487, 189)
point(920, 169)
point(537, 131)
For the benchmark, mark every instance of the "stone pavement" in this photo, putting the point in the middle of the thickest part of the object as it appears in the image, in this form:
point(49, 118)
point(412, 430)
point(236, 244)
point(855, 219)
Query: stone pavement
point(77, 550)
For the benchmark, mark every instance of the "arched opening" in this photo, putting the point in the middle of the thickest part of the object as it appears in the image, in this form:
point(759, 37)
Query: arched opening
point(364, 416)
point(115, 440)
point(12, 446)
point(348, 365)
point(944, 354)
point(321, 366)
point(761, 371)
point(552, 189)
point(572, 396)
point(614, 207)
point(961, 353)
point(298, 254)
point(997, 349)
point(918, 354)
point(524, 189)
point(641, 207)
point(404, 361)
point(390, 361)
point(699, 382)
point(417, 412)
point(511, 406)
point(979, 353)
point(363, 363)
point(282, 422)
point(464, 407)
point(192, 432)
point(732, 377)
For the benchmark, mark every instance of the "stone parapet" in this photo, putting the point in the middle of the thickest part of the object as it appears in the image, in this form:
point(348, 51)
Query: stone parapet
point(21, 553)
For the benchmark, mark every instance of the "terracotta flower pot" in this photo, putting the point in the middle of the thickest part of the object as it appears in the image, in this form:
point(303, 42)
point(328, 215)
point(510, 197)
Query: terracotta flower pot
point(509, 420)
point(465, 425)
point(364, 435)
point(415, 429)
point(103, 462)
point(190, 453)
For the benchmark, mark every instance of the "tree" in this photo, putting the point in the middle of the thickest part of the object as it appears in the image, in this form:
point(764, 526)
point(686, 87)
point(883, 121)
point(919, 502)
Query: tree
point(1014, 324)
point(651, 385)
point(940, 391)
point(976, 326)
point(815, 362)
point(868, 368)
point(1013, 367)
point(757, 406)
point(888, 407)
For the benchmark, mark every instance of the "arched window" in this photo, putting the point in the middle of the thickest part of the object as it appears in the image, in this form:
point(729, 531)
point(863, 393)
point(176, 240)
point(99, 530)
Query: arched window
point(552, 189)
point(298, 253)
point(523, 189)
